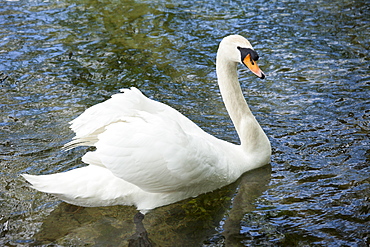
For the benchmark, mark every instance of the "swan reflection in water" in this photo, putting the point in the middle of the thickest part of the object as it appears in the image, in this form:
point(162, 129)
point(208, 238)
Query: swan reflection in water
point(149, 155)
point(185, 223)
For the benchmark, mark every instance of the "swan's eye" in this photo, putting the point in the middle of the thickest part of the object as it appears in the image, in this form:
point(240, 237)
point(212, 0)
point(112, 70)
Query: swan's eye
point(248, 51)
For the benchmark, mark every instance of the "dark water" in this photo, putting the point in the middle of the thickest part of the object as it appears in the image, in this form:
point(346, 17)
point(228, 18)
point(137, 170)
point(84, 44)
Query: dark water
point(59, 57)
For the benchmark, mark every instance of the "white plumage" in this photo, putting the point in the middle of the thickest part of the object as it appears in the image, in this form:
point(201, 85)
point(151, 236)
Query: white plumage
point(148, 154)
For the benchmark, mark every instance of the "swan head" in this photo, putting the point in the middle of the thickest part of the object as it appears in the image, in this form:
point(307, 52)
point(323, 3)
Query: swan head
point(239, 50)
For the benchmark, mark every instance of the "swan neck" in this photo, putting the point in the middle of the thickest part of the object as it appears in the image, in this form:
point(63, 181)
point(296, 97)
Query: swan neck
point(250, 133)
point(231, 93)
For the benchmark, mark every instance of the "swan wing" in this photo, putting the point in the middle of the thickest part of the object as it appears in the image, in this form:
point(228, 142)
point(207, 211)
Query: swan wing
point(148, 144)
point(93, 120)
point(119, 107)
point(156, 155)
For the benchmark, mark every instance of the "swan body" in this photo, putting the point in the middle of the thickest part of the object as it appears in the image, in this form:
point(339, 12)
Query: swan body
point(149, 155)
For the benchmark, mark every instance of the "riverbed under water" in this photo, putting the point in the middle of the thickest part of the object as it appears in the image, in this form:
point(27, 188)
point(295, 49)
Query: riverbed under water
point(57, 58)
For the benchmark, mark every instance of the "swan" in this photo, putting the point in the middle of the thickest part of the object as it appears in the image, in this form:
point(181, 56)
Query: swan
point(149, 155)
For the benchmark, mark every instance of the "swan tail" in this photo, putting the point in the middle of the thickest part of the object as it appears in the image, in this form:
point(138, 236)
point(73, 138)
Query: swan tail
point(90, 186)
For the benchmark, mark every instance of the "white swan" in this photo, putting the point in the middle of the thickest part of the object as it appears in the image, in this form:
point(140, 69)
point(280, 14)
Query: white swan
point(149, 155)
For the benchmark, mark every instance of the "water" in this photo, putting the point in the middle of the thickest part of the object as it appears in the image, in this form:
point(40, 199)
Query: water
point(59, 57)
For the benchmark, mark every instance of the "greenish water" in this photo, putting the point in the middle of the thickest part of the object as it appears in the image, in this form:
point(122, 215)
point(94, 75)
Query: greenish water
point(59, 57)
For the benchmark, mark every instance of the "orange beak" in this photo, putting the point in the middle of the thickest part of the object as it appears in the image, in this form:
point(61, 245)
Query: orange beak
point(252, 65)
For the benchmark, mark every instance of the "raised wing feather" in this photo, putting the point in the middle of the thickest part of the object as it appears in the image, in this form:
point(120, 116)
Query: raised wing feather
point(120, 107)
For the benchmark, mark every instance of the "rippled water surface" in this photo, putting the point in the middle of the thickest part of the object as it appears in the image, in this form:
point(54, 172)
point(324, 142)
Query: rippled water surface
point(59, 57)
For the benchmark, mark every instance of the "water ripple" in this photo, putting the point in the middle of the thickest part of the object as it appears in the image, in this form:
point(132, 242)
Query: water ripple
point(58, 58)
